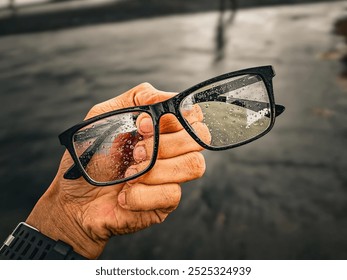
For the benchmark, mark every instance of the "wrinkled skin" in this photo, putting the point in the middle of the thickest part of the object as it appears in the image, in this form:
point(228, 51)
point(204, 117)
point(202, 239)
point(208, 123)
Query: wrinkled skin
point(86, 216)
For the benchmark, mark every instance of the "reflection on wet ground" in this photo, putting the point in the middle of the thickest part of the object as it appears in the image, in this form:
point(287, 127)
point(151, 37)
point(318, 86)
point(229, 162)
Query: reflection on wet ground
point(283, 196)
point(340, 29)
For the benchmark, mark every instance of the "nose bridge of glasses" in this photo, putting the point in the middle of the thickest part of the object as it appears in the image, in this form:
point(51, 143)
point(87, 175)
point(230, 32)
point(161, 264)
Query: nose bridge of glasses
point(163, 108)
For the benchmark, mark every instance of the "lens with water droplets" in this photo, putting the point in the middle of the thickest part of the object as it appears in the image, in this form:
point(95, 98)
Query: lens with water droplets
point(113, 148)
point(235, 110)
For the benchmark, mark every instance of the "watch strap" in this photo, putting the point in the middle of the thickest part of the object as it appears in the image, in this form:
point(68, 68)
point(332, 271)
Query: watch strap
point(27, 243)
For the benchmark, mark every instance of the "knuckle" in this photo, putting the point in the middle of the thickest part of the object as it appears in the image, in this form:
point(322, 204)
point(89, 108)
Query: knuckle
point(173, 194)
point(145, 93)
point(144, 87)
point(196, 164)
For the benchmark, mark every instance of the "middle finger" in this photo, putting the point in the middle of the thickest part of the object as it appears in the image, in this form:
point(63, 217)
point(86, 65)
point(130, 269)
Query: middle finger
point(173, 144)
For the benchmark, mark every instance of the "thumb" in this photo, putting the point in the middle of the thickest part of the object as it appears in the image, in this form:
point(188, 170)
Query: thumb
point(143, 94)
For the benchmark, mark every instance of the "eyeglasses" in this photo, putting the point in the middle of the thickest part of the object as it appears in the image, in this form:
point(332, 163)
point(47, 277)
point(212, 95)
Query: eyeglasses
point(236, 107)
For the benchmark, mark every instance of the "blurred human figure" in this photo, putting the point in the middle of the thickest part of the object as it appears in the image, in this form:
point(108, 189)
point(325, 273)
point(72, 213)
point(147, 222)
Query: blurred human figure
point(224, 21)
point(12, 7)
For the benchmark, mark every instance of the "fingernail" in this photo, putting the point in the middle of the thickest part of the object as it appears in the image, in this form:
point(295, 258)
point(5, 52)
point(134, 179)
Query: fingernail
point(139, 153)
point(130, 172)
point(146, 125)
point(121, 198)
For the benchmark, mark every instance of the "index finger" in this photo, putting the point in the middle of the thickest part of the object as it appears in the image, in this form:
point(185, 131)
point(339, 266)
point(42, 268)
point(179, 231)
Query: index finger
point(143, 94)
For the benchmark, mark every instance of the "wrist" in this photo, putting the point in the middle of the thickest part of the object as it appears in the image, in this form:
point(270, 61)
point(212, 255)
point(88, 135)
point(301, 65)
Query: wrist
point(53, 218)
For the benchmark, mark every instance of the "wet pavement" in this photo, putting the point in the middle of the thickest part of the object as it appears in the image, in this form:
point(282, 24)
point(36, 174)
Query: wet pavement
point(283, 196)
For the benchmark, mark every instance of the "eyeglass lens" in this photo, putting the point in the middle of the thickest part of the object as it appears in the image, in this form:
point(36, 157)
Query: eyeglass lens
point(234, 110)
point(105, 149)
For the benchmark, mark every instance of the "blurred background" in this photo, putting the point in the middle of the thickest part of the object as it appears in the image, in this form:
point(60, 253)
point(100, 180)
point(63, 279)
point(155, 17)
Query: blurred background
point(283, 196)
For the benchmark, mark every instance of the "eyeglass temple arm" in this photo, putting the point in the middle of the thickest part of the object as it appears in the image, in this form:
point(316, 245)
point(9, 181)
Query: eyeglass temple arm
point(73, 172)
point(279, 109)
point(251, 104)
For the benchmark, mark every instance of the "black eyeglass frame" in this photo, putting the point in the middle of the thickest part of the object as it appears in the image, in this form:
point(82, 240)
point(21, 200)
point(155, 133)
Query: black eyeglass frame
point(172, 105)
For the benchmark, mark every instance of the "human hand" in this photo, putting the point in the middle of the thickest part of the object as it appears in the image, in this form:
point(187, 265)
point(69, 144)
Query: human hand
point(86, 216)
